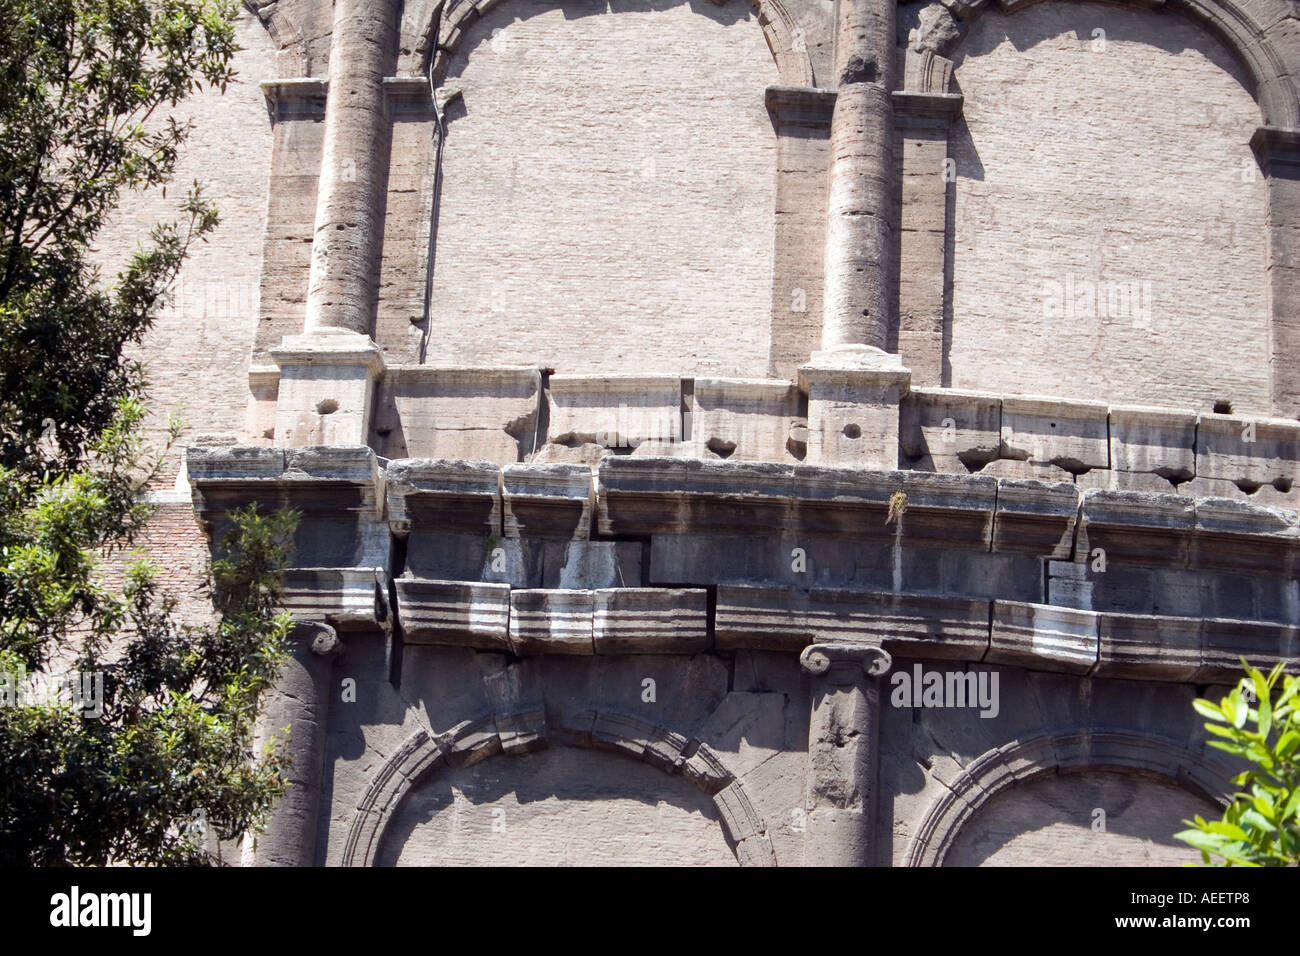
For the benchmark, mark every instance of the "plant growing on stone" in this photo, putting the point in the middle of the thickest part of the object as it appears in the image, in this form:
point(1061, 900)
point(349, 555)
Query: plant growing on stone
point(1261, 826)
point(84, 89)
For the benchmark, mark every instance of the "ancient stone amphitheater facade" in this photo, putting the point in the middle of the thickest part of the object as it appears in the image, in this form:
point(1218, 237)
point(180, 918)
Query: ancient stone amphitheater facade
point(790, 433)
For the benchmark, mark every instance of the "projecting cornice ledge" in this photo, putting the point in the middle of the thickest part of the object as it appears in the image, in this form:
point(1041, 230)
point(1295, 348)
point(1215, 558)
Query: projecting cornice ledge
point(655, 496)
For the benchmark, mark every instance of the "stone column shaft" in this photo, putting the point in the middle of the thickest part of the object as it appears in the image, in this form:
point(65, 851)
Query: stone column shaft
point(340, 290)
point(300, 701)
point(843, 752)
point(861, 221)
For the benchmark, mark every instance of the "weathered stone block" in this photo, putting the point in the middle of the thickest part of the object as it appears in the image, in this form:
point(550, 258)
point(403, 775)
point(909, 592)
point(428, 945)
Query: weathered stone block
point(1161, 441)
point(551, 622)
point(1073, 435)
point(487, 414)
point(945, 429)
point(1149, 647)
point(650, 621)
point(1039, 637)
point(1248, 451)
point(547, 500)
point(747, 419)
point(444, 495)
point(853, 399)
point(326, 389)
point(454, 612)
point(613, 411)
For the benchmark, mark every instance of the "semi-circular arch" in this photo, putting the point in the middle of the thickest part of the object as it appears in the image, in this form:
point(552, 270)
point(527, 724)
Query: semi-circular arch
point(431, 32)
point(1021, 761)
point(487, 737)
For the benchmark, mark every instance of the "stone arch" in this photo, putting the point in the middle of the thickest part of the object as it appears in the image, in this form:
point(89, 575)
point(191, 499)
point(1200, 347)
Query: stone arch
point(526, 731)
point(292, 59)
point(1243, 31)
point(431, 32)
point(1021, 761)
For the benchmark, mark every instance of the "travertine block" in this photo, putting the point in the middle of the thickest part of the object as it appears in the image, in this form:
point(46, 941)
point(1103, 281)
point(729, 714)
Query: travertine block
point(487, 414)
point(945, 429)
point(1073, 435)
point(853, 399)
point(1030, 470)
point(464, 613)
point(1161, 441)
point(444, 495)
point(746, 419)
point(651, 621)
point(548, 500)
point(263, 388)
point(1150, 646)
point(1040, 637)
point(327, 383)
point(613, 411)
point(1258, 451)
point(551, 622)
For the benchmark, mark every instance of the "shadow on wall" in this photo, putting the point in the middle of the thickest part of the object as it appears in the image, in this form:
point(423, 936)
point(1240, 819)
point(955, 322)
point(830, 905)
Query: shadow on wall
point(1082, 819)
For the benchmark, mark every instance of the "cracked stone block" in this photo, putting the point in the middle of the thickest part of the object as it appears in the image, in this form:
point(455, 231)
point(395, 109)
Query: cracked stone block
point(1072, 435)
point(1033, 470)
point(1250, 452)
point(487, 414)
point(949, 430)
point(747, 419)
point(1159, 441)
point(612, 411)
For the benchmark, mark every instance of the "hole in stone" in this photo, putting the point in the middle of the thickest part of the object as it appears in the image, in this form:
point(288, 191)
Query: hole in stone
point(723, 449)
point(1222, 407)
point(1282, 484)
point(1051, 424)
point(327, 406)
point(1249, 487)
point(269, 433)
point(852, 431)
point(975, 459)
point(798, 449)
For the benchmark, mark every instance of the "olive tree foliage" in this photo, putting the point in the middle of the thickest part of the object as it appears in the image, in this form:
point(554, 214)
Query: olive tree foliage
point(169, 763)
point(1259, 721)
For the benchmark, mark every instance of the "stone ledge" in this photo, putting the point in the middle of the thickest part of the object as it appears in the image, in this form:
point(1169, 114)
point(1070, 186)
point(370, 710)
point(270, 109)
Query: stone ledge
point(441, 494)
point(341, 597)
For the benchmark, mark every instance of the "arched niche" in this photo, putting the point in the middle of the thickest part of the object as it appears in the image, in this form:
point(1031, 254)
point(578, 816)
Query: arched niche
point(1108, 227)
point(1131, 769)
point(607, 189)
point(616, 770)
point(1088, 818)
point(560, 806)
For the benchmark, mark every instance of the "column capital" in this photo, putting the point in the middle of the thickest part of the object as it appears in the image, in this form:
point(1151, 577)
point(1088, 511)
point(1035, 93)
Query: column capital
point(817, 659)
